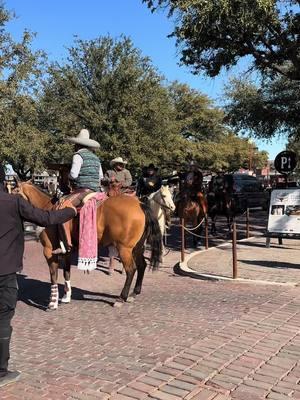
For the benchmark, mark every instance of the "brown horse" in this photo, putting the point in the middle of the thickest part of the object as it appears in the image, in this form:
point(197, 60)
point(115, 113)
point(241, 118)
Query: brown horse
point(193, 209)
point(122, 221)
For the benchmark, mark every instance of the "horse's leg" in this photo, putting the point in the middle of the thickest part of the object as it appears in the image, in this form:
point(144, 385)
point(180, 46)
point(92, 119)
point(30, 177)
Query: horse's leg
point(67, 276)
point(162, 227)
point(141, 266)
point(112, 265)
point(53, 264)
point(213, 223)
point(112, 253)
point(229, 217)
point(49, 241)
point(130, 268)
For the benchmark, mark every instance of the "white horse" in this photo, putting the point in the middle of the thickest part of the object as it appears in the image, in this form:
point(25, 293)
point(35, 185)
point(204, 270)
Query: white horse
point(161, 202)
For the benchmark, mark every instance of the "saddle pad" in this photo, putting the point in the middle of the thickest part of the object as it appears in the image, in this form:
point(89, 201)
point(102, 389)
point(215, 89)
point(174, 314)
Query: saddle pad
point(80, 198)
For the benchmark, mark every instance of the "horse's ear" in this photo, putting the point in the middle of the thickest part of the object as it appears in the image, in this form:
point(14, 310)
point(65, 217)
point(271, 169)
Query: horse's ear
point(29, 181)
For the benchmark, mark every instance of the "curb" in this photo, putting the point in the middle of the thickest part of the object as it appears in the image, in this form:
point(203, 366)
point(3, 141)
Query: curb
point(182, 268)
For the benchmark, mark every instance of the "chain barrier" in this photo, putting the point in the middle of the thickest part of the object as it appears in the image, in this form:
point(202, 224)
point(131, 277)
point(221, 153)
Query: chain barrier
point(189, 230)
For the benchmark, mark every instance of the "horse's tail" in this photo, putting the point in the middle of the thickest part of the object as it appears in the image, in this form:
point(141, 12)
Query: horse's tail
point(152, 233)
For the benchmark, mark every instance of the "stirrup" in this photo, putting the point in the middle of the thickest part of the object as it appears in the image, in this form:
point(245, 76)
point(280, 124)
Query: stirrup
point(61, 249)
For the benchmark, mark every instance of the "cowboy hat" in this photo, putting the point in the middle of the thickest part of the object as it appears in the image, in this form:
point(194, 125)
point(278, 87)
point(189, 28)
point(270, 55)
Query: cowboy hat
point(151, 166)
point(118, 160)
point(83, 138)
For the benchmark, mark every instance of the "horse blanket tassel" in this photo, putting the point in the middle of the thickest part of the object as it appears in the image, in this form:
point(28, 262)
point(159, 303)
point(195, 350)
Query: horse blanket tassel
point(88, 242)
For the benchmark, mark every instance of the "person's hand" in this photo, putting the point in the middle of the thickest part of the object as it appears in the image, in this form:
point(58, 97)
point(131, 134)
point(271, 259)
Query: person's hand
point(68, 204)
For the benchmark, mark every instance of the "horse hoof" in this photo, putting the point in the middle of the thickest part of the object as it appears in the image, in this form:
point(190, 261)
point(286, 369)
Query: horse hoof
point(50, 309)
point(65, 301)
point(118, 303)
point(130, 299)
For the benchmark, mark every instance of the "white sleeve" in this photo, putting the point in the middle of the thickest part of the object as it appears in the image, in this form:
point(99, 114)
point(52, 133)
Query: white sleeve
point(101, 176)
point(76, 165)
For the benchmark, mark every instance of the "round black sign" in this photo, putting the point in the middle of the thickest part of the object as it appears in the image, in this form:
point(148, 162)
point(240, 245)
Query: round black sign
point(285, 162)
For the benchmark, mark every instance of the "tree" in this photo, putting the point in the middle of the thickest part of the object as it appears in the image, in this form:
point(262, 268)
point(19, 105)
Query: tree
point(108, 87)
point(216, 34)
point(22, 143)
point(197, 117)
point(266, 110)
point(231, 153)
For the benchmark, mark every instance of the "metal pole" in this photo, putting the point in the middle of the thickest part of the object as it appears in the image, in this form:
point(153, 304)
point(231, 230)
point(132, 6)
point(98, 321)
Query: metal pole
point(247, 223)
point(234, 252)
point(206, 233)
point(182, 239)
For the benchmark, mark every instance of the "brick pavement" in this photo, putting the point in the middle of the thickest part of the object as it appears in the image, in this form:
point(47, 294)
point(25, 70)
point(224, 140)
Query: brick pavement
point(279, 263)
point(182, 338)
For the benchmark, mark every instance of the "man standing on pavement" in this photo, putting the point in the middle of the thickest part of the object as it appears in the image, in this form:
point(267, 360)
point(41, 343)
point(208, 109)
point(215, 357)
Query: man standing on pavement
point(13, 211)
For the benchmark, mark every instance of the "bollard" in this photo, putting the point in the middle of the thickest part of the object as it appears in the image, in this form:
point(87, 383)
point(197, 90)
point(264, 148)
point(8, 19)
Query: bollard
point(182, 239)
point(234, 252)
point(206, 233)
point(247, 223)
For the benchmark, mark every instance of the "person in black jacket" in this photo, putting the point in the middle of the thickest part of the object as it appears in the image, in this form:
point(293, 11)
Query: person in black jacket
point(149, 182)
point(13, 211)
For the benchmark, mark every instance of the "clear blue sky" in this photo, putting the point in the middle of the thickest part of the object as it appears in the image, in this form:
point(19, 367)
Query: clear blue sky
point(57, 21)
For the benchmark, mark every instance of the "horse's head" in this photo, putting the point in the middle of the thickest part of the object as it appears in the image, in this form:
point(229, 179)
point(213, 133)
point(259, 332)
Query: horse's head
point(23, 189)
point(33, 195)
point(166, 197)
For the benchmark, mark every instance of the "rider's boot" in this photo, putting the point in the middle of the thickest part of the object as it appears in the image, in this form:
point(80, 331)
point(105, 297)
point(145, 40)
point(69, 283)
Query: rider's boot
point(65, 241)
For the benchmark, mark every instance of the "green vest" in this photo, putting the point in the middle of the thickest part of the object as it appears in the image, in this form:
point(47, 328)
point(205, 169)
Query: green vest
point(88, 177)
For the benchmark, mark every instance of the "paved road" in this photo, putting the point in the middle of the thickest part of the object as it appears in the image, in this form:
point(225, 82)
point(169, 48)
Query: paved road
point(183, 338)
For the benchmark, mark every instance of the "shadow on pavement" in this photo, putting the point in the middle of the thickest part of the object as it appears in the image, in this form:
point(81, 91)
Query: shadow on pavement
point(271, 264)
point(178, 271)
point(263, 245)
point(35, 293)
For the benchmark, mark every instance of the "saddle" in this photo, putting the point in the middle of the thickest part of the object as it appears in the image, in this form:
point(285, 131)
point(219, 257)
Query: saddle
point(116, 189)
point(78, 199)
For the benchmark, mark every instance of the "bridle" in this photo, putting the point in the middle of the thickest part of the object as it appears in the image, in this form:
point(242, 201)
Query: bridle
point(164, 206)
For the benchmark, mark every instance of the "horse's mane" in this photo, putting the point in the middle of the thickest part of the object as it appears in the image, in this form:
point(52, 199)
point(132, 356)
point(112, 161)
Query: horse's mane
point(38, 189)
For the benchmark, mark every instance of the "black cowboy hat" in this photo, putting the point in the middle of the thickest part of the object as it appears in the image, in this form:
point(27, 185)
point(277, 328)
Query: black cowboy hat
point(152, 166)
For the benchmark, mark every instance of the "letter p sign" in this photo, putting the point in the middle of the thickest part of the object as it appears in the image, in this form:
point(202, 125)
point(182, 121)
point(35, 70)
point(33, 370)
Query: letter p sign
point(285, 162)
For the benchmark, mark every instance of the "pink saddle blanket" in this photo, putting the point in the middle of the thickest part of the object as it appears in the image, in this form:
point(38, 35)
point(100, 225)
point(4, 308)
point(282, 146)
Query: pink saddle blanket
point(88, 240)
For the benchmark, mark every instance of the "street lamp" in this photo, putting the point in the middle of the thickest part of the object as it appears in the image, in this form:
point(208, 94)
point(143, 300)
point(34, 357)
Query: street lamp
point(252, 151)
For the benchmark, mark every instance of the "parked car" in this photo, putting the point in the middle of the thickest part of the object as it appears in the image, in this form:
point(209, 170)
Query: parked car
point(247, 191)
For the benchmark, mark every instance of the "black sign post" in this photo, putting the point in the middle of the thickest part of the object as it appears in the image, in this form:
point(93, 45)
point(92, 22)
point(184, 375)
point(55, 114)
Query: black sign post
point(285, 162)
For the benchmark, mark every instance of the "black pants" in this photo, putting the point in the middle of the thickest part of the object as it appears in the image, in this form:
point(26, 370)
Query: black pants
point(8, 301)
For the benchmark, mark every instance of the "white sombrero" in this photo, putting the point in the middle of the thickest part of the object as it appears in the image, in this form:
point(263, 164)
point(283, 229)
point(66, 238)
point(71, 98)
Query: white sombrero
point(118, 160)
point(83, 138)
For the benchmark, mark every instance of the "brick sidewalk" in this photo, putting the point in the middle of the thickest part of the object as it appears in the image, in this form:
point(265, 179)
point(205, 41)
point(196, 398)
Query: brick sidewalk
point(256, 262)
point(182, 338)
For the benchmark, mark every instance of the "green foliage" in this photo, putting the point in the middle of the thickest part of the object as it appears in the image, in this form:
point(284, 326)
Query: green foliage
point(197, 117)
point(231, 153)
point(110, 88)
point(218, 33)
point(266, 110)
point(22, 143)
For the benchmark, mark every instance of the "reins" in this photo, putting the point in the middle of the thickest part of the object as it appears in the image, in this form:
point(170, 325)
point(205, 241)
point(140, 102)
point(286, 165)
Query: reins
point(163, 206)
